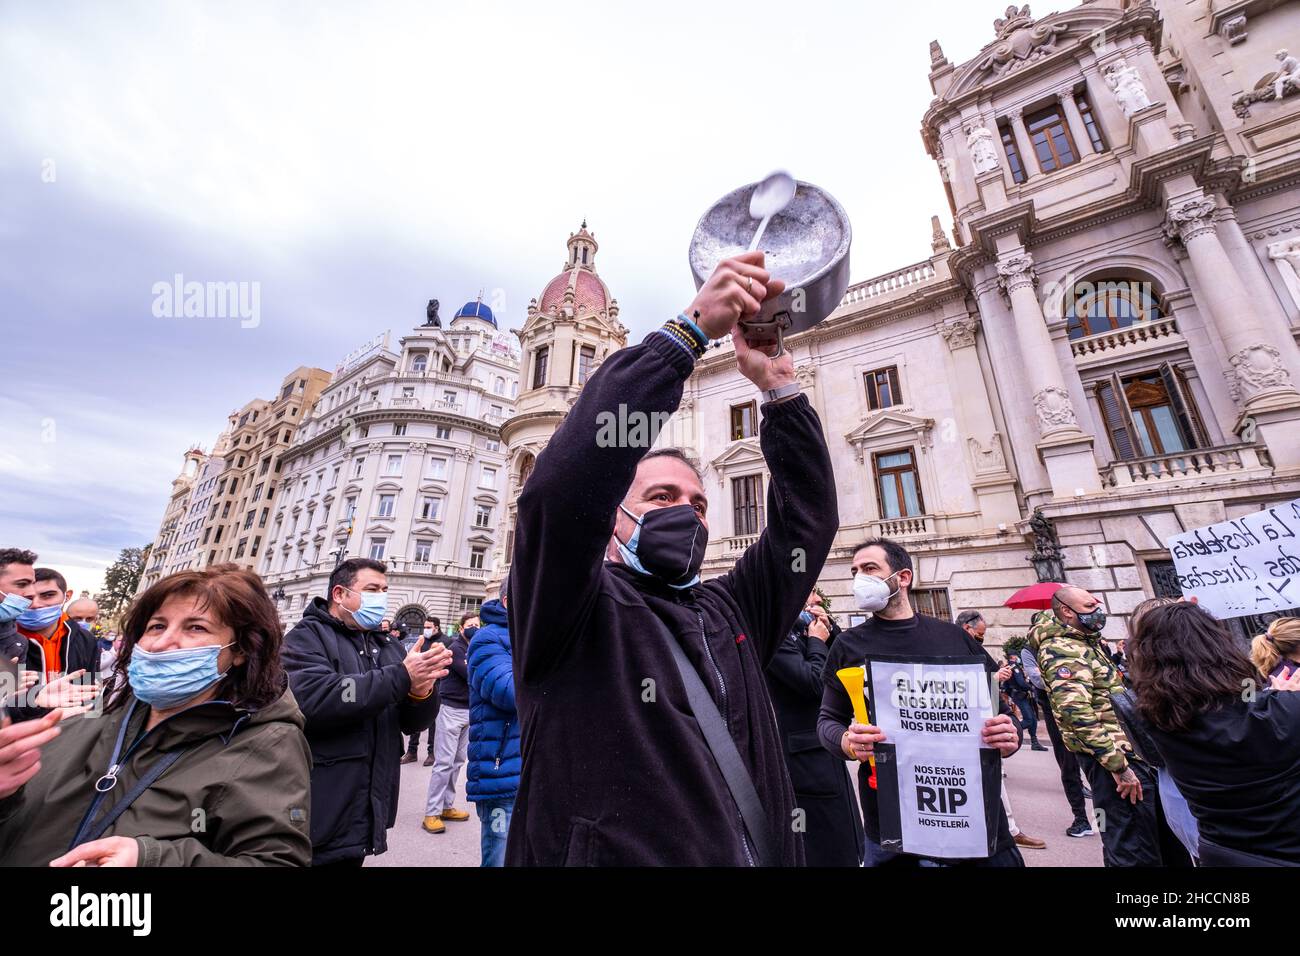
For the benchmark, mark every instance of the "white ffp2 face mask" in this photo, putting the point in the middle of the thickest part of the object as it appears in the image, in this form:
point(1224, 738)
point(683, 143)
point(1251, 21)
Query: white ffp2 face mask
point(871, 592)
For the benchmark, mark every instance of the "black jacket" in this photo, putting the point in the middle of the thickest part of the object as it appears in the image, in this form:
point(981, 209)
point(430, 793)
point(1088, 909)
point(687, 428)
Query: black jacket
point(616, 770)
point(354, 693)
point(822, 787)
point(78, 650)
point(1239, 769)
point(453, 690)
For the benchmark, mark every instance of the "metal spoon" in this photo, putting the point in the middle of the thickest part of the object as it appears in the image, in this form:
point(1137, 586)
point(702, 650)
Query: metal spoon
point(768, 198)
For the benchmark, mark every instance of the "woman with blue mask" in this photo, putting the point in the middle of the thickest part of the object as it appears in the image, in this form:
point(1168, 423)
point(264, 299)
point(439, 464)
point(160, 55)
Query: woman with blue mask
point(204, 721)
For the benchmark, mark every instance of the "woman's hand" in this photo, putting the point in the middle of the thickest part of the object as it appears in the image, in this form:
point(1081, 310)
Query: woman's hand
point(20, 749)
point(859, 741)
point(1288, 680)
point(109, 851)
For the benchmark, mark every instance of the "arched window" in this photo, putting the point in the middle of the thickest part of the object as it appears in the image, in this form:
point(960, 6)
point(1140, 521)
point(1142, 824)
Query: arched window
point(1106, 304)
point(525, 469)
point(420, 362)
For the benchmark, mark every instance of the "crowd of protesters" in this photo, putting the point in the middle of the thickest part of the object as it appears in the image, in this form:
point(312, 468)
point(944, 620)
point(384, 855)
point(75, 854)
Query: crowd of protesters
point(611, 707)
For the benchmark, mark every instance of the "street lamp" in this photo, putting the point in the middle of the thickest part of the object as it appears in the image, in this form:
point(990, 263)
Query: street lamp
point(1047, 557)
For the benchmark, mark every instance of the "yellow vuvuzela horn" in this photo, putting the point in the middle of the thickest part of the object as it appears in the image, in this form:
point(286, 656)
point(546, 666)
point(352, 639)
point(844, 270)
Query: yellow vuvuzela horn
point(854, 680)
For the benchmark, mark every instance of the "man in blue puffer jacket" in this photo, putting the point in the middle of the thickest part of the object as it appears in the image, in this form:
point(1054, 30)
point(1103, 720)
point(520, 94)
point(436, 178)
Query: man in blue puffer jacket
point(494, 755)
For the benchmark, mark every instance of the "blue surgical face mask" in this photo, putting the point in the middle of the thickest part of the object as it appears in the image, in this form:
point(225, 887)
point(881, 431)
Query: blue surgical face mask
point(12, 606)
point(374, 605)
point(37, 619)
point(167, 679)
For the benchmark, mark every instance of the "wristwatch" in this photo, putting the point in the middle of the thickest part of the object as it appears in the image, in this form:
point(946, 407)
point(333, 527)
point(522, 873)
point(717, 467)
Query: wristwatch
point(784, 391)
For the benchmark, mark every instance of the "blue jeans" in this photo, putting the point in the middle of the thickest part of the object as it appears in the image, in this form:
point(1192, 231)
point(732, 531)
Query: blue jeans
point(494, 827)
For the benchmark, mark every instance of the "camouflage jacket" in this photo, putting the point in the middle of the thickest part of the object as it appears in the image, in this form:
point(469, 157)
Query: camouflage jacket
point(1080, 678)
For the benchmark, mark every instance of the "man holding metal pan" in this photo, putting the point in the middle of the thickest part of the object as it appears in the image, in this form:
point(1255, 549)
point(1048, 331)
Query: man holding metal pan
point(648, 733)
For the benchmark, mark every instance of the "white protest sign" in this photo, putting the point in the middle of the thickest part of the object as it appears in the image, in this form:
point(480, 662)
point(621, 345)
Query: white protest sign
point(932, 713)
point(1249, 565)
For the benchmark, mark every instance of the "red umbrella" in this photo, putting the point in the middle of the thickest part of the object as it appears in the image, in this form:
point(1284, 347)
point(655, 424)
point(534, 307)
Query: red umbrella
point(1037, 597)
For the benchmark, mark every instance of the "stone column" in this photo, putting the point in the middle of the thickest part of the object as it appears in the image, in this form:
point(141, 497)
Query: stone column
point(991, 480)
point(1268, 398)
point(1077, 127)
point(1023, 143)
point(1066, 450)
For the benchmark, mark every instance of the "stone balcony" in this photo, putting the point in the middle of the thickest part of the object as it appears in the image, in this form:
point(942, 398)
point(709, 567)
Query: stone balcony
point(910, 526)
point(892, 285)
point(1132, 339)
point(1200, 466)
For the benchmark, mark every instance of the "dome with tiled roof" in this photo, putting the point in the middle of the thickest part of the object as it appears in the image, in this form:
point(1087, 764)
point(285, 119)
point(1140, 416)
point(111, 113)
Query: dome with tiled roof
point(578, 280)
point(476, 310)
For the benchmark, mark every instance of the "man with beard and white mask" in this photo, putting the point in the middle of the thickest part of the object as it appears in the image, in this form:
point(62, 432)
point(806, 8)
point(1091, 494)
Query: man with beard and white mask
point(648, 734)
point(882, 581)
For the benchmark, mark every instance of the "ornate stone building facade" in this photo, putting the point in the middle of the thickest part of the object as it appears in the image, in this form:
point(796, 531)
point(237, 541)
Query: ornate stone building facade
point(1099, 354)
point(400, 459)
point(565, 337)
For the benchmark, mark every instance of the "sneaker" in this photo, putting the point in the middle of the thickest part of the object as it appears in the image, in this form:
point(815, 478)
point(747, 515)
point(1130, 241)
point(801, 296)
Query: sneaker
point(433, 825)
point(409, 757)
point(1030, 843)
point(1080, 828)
point(453, 815)
point(428, 761)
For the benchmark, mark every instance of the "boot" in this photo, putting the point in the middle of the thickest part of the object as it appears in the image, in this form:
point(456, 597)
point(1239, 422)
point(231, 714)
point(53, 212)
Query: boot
point(409, 757)
point(433, 825)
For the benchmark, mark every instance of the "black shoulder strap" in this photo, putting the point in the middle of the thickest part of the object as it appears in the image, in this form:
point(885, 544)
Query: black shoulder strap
point(89, 830)
point(727, 757)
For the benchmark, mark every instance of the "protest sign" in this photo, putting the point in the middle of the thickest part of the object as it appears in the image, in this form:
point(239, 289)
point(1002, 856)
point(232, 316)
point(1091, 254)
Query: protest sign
point(938, 789)
point(1248, 565)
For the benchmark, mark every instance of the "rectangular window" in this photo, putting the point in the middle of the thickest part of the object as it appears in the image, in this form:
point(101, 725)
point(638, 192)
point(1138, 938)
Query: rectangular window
point(539, 366)
point(399, 429)
point(377, 548)
point(350, 507)
point(1013, 153)
point(257, 492)
point(334, 478)
point(357, 466)
point(1090, 122)
point(449, 398)
point(1051, 140)
point(1150, 414)
point(257, 542)
point(442, 433)
point(239, 551)
point(898, 484)
point(248, 519)
point(483, 516)
point(744, 421)
point(429, 508)
point(476, 556)
point(932, 602)
point(747, 504)
point(386, 505)
point(586, 359)
point(408, 392)
point(423, 551)
point(438, 468)
point(394, 465)
point(488, 479)
point(882, 388)
point(491, 444)
point(470, 603)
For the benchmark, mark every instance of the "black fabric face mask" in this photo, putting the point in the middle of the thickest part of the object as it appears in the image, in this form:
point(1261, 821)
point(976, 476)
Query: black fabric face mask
point(668, 544)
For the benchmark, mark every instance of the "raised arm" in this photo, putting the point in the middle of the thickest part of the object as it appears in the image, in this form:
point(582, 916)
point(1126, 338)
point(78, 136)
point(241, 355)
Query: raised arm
point(566, 508)
point(772, 579)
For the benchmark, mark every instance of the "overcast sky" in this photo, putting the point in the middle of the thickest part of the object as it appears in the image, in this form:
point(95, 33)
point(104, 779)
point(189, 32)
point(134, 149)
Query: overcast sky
point(355, 160)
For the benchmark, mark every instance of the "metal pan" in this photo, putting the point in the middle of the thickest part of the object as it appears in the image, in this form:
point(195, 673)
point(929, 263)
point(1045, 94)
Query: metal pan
point(806, 244)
